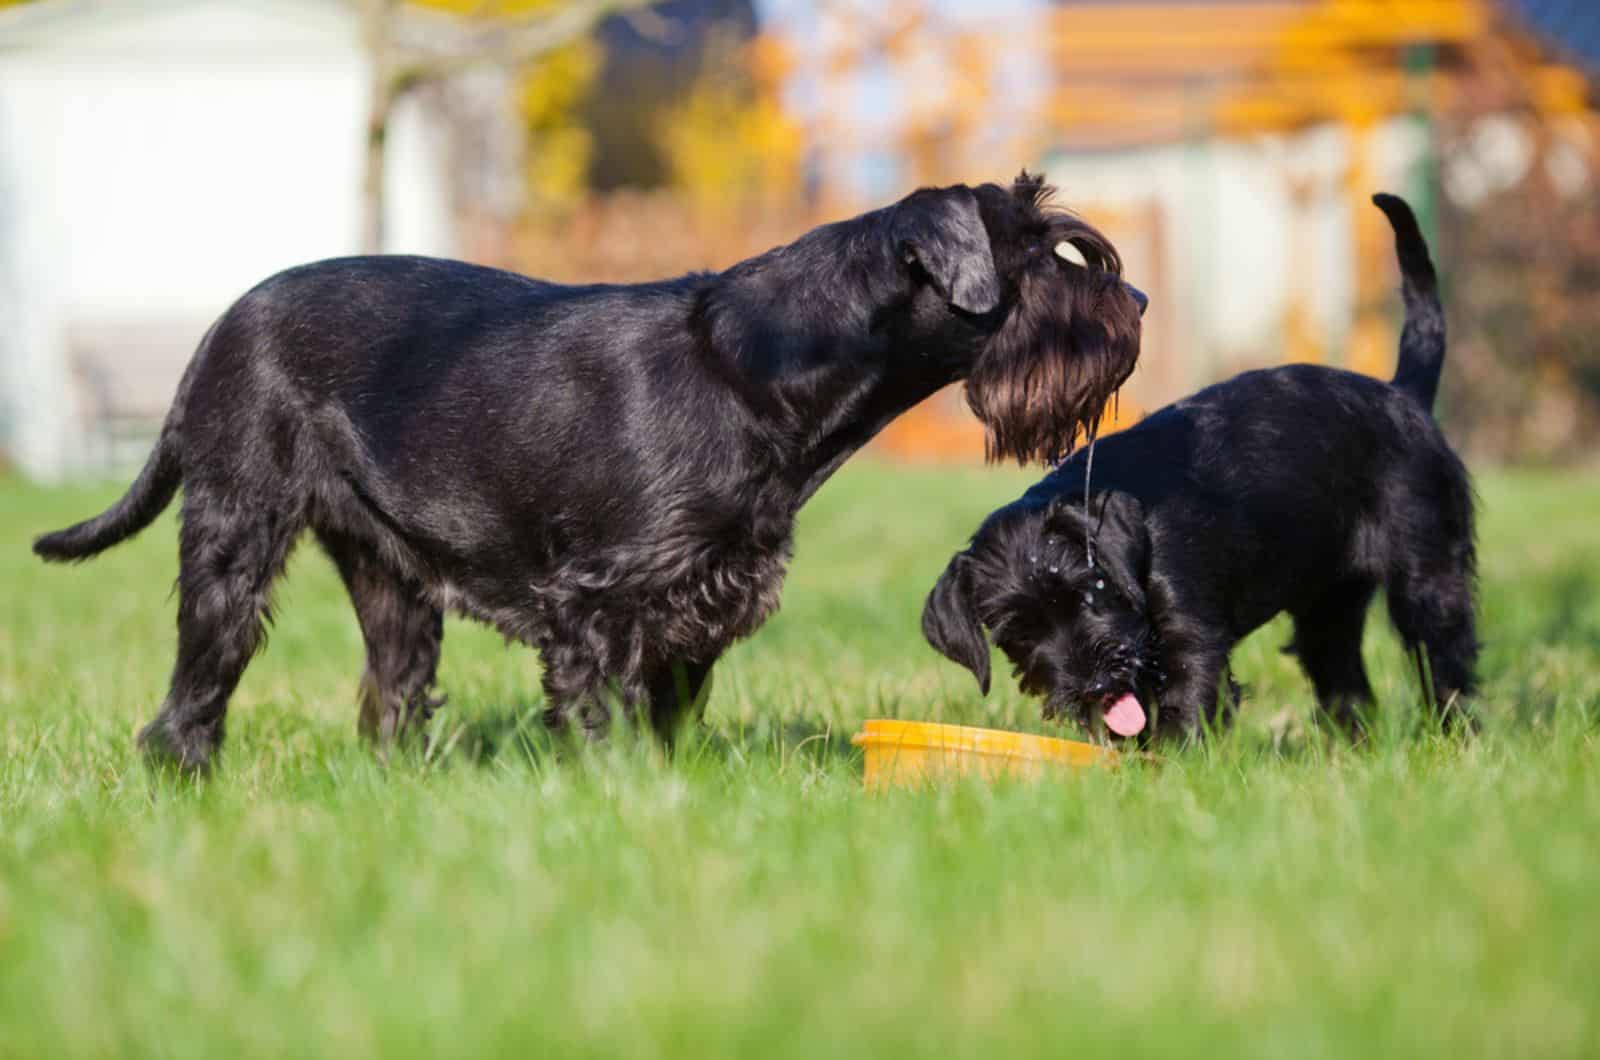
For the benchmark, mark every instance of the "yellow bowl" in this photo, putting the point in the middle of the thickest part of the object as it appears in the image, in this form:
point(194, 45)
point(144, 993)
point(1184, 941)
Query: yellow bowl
point(911, 753)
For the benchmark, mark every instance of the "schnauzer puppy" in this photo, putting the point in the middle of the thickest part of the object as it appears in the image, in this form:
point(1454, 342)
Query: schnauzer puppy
point(608, 473)
point(1126, 576)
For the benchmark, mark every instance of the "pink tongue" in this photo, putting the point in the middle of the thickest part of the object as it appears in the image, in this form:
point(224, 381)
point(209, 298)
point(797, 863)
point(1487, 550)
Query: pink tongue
point(1125, 717)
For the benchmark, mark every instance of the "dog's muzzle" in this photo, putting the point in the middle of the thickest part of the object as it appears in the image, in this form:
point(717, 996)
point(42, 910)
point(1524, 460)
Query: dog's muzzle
point(1139, 296)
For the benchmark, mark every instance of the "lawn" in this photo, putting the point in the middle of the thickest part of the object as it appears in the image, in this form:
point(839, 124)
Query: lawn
point(1271, 894)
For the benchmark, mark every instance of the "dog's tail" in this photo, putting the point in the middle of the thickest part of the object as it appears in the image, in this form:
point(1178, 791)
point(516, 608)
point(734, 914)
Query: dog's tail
point(150, 493)
point(147, 498)
point(1422, 339)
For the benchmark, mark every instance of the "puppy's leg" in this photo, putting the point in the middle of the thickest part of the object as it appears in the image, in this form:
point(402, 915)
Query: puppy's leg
point(1194, 660)
point(230, 551)
point(1225, 707)
point(1194, 682)
point(1327, 640)
point(675, 690)
point(1195, 641)
point(1432, 608)
point(404, 635)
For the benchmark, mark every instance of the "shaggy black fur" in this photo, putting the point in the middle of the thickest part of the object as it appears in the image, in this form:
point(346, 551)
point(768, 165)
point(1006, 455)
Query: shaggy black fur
point(610, 473)
point(1299, 489)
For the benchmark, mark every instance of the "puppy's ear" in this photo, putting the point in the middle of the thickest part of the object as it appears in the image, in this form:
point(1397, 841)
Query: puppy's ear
point(950, 620)
point(1122, 544)
point(941, 232)
point(1115, 523)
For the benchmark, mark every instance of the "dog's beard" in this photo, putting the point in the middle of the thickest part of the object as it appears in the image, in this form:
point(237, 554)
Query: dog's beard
point(1044, 379)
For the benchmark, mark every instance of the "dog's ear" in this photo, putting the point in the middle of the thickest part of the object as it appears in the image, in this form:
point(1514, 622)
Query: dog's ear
point(941, 232)
point(950, 620)
point(1065, 514)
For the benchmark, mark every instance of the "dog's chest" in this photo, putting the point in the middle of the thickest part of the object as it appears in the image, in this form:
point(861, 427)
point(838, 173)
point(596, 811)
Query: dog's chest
point(724, 599)
point(674, 596)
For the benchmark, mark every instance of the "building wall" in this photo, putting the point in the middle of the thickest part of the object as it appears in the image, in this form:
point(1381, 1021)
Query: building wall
point(1249, 228)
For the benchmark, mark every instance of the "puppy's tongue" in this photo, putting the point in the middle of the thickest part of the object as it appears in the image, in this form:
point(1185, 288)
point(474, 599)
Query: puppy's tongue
point(1125, 717)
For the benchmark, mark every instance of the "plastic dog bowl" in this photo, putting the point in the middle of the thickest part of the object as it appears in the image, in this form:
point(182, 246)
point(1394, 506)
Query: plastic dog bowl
point(913, 753)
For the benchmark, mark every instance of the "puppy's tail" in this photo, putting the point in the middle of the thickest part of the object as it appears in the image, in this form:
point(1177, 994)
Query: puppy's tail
point(1422, 342)
point(149, 495)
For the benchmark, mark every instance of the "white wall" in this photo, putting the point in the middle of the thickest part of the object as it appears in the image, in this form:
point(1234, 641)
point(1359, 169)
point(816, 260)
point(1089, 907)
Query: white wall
point(157, 159)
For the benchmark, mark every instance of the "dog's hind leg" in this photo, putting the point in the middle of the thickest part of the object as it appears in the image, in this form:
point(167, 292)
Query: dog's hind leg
point(1327, 641)
point(404, 635)
point(1433, 610)
point(230, 550)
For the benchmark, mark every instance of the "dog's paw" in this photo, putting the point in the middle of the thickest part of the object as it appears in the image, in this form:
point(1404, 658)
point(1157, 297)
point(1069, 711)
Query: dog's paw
point(184, 750)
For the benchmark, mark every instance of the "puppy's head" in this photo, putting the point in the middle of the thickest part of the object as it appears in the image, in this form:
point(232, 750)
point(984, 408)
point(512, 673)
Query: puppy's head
point(1033, 310)
point(1076, 633)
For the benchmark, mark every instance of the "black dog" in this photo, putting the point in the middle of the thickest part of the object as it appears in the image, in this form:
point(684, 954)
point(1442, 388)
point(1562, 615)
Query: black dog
point(610, 473)
point(1298, 489)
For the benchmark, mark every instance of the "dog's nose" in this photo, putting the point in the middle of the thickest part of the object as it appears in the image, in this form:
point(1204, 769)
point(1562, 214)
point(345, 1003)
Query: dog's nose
point(1140, 297)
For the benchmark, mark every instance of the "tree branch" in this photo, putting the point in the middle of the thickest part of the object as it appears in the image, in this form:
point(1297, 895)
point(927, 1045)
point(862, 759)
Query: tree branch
point(409, 47)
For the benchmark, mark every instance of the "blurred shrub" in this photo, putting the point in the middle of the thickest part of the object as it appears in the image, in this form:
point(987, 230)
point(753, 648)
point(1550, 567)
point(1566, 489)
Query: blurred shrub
point(729, 144)
point(1522, 270)
point(718, 181)
point(631, 235)
point(559, 147)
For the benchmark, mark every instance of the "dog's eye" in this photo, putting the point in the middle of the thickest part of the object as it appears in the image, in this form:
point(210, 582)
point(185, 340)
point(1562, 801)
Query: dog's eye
point(1069, 253)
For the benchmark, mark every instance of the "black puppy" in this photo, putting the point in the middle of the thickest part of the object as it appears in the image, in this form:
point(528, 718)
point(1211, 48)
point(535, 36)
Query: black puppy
point(1299, 489)
point(610, 473)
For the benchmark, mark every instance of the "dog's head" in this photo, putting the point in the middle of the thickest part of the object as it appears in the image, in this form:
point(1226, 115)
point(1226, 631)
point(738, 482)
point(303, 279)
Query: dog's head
point(1042, 325)
point(1076, 632)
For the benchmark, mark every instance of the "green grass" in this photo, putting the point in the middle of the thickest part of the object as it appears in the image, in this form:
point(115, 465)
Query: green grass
point(1273, 894)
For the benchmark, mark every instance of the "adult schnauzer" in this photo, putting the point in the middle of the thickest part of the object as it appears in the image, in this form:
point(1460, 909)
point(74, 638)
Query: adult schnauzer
point(609, 473)
point(1299, 489)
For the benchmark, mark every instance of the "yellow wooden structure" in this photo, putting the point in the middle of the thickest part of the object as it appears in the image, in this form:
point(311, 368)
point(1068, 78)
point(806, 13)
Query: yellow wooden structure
point(1129, 74)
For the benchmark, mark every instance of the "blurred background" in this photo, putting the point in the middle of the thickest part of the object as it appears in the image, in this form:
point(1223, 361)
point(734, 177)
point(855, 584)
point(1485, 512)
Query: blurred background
point(158, 157)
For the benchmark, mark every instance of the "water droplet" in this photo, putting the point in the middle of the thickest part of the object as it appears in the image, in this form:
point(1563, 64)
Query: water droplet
point(1099, 583)
point(1054, 569)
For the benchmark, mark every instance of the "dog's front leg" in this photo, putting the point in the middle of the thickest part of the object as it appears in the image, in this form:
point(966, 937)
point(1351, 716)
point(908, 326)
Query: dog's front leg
point(678, 691)
point(579, 689)
point(590, 686)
